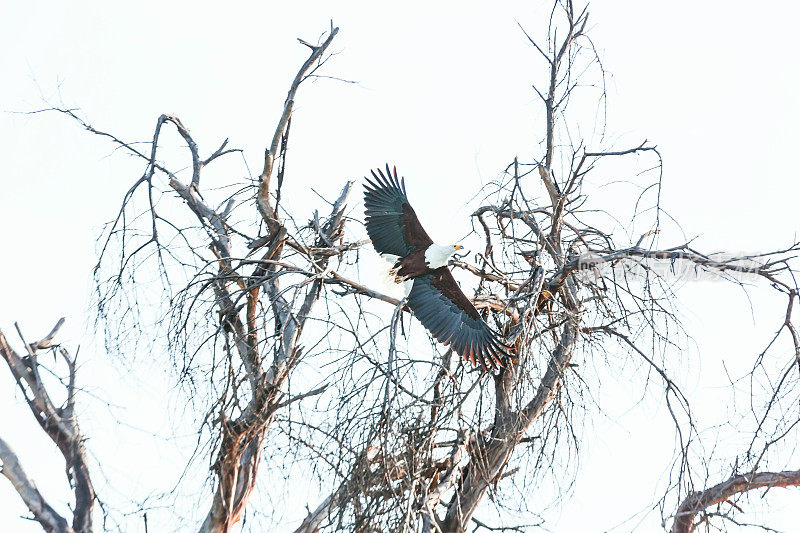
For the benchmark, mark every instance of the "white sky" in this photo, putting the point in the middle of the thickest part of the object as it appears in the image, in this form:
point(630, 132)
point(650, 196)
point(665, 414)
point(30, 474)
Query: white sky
point(443, 92)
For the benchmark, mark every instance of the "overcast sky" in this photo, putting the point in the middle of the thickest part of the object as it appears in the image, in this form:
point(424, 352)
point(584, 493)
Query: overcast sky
point(443, 91)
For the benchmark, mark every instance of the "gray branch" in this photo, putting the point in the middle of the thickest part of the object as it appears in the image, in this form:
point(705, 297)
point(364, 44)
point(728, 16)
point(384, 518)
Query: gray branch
point(62, 427)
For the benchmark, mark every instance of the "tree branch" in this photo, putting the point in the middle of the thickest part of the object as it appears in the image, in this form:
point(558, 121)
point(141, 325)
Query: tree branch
point(696, 502)
point(61, 426)
point(272, 151)
point(47, 517)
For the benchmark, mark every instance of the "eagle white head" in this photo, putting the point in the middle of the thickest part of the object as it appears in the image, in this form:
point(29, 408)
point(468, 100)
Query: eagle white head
point(438, 255)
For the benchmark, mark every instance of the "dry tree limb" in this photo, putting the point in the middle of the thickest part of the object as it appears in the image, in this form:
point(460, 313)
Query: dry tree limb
point(47, 517)
point(61, 425)
point(264, 206)
point(696, 502)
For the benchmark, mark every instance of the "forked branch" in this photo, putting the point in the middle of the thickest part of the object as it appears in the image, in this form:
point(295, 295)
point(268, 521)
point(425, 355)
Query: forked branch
point(61, 425)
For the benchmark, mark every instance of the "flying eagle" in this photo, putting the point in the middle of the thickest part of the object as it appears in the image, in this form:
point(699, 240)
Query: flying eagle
point(435, 297)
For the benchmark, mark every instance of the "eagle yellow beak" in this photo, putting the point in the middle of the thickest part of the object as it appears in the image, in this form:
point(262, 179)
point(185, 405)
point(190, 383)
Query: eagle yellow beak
point(458, 247)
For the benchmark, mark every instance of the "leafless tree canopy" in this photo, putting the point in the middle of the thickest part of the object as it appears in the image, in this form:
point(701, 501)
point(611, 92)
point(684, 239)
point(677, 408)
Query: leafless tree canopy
point(290, 361)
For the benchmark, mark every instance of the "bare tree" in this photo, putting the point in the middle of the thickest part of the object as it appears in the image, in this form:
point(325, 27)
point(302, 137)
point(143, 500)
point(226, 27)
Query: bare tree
point(293, 360)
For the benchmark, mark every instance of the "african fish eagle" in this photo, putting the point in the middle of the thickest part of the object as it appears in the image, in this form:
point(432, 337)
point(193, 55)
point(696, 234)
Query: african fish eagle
point(435, 297)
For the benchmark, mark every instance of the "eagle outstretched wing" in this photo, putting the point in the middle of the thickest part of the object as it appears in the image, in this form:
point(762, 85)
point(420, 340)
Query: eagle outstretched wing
point(391, 222)
point(439, 304)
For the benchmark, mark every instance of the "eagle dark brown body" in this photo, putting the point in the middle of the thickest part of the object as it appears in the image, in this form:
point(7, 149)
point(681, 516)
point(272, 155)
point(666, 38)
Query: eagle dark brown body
point(410, 266)
point(435, 297)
